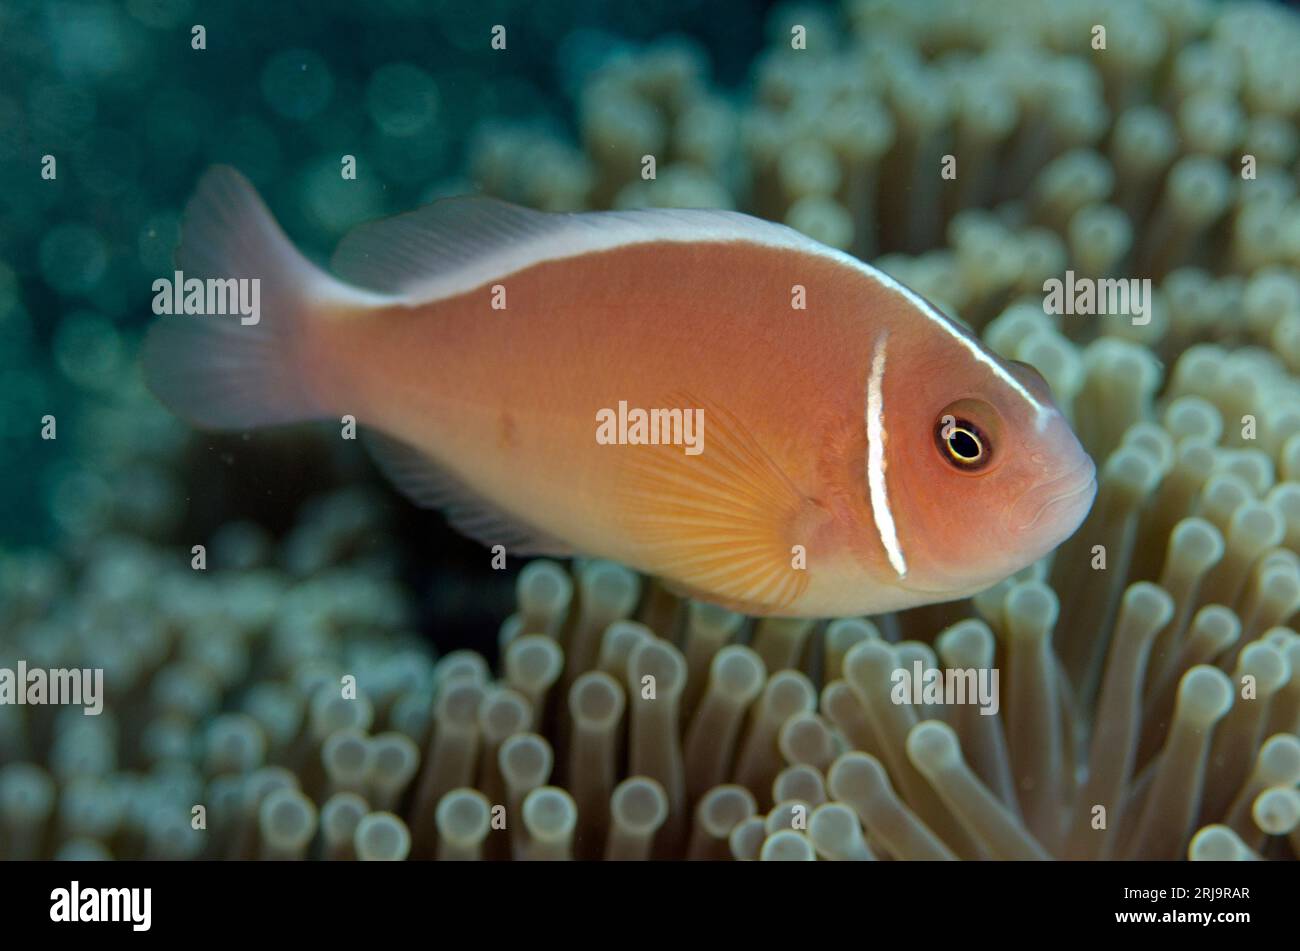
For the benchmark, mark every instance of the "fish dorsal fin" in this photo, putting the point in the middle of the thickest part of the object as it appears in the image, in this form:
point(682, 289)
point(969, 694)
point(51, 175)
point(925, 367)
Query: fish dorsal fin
point(408, 252)
point(431, 486)
point(721, 523)
point(458, 244)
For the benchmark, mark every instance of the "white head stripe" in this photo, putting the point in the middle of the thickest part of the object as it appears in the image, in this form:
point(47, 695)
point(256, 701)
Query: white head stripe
point(876, 464)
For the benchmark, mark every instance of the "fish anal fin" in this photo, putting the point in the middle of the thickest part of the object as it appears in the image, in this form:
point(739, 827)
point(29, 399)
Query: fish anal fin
point(722, 524)
point(430, 485)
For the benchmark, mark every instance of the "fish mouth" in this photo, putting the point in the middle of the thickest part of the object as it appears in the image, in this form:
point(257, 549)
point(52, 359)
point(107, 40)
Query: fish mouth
point(1072, 492)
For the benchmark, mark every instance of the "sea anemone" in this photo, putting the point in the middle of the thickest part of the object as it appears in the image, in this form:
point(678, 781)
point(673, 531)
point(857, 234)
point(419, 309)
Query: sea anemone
point(280, 704)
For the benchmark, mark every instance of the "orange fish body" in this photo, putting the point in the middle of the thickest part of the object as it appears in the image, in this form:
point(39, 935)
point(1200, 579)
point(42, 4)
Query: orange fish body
point(507, 362)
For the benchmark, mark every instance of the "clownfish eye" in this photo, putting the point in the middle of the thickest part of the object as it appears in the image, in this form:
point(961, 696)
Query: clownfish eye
point(962, 443)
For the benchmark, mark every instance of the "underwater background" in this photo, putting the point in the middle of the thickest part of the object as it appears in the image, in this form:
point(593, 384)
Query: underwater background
point(1171, 154)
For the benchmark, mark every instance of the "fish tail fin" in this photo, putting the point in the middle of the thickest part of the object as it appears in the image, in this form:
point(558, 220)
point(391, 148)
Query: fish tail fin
point(235, 371)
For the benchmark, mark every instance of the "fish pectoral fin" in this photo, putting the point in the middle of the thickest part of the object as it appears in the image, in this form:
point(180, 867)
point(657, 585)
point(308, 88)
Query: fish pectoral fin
point(431, 486)
point(685, 591)
point(722, 524)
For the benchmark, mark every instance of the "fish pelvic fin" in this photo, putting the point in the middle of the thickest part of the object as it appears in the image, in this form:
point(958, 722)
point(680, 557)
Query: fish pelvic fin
point(226, 370)
point(723, 524)
point(431, 486)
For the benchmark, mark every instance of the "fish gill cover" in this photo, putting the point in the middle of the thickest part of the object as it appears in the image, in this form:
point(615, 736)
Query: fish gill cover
point(293, 661)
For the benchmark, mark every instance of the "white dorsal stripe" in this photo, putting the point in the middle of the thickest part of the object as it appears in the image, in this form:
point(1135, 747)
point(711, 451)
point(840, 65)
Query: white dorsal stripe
point(1042, 412)
point(460, 244)
point(876, 464)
